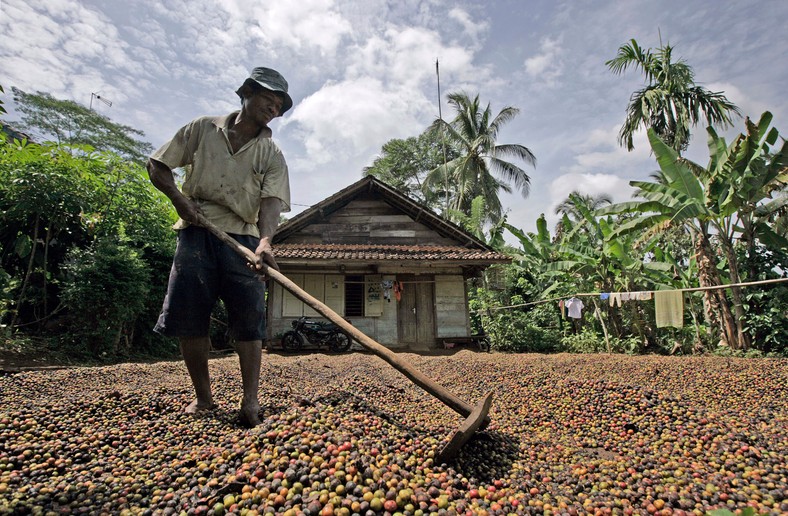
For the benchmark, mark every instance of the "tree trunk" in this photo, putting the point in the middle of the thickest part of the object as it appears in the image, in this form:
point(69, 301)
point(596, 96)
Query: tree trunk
point(47, 238)
point(28, 273)
point(736, 293)
point(708, 276)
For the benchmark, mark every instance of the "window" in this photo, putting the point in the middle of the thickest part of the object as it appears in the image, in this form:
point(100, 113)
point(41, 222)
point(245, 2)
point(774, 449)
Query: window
point(354, 296)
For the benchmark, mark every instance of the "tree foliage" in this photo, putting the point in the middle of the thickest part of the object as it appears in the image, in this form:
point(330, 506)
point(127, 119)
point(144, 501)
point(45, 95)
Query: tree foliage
point(68, 122)
point(59, 208)
point(481, 167)
point(105, 288)
point(671, 102)
point(715, 204)
point(404, 164)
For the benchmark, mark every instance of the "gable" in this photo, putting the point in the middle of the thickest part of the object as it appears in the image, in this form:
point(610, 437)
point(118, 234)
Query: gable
point(370, 223)
point(367, 219)
point(384, 202)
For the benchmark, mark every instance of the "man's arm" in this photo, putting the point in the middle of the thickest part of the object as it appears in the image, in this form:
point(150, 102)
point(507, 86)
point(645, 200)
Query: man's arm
point(267, 222)
point(163, 179)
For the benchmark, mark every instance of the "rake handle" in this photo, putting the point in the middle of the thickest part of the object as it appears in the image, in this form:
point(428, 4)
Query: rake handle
point(416, 376)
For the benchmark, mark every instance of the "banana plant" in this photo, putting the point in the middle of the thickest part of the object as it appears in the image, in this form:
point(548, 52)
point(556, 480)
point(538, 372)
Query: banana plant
point(748, 181)
point(711, 200)
point(537, 251)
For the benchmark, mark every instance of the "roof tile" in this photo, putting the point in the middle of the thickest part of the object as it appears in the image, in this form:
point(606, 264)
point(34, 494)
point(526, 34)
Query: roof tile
point(383, 252)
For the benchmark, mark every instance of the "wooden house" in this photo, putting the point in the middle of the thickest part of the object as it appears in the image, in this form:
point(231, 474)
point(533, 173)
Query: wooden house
point(385, 262)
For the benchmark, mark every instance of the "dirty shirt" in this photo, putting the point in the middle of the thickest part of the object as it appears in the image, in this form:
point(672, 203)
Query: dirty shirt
point(228, 187)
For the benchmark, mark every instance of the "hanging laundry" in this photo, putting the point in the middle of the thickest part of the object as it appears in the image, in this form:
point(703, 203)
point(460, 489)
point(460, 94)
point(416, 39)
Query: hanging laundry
point(644, 296)
point(626, 296)
point(615, 298)
point(387, 285)
point(398, 290)
point(669, 308)
point(575, 308)
point(604, 296)
point(562, 309)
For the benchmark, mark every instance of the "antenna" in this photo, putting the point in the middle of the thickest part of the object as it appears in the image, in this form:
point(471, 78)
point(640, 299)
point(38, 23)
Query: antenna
point(443, 141)
point(99, 97)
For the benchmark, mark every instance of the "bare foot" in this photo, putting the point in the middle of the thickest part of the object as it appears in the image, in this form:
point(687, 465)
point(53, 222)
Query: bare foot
point(249, 415)
point(197, 406)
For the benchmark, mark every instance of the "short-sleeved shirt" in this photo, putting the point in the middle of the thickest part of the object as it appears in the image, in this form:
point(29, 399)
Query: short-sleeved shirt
point(575, 308)
point(228, 187)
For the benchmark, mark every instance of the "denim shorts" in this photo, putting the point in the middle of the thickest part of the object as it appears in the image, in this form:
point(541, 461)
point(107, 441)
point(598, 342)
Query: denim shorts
point(205, 269)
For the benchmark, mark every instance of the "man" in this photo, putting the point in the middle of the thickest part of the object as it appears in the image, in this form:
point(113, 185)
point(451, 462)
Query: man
point(237, 178)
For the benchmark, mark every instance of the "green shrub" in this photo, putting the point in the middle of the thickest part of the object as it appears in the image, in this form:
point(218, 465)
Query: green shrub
point(512, 333)
point(587, 341)
point(105, 289)
point(7, 286)
point(629, 345)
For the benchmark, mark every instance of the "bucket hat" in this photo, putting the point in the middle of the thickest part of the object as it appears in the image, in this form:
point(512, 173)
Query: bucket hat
point(271, 80)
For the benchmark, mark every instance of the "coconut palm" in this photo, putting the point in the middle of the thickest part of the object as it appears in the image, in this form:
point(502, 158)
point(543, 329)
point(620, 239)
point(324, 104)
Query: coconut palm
point(591, 202)
point(670, 102)
point(481, 168)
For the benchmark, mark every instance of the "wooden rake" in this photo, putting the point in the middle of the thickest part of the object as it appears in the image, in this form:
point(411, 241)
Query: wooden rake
point(475, 417)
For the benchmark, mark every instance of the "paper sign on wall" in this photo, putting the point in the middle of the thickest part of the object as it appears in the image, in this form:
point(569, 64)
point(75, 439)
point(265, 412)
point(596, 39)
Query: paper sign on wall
point(373, 297)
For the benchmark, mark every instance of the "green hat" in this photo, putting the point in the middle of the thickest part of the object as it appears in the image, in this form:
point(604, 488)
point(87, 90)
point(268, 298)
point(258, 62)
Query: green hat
point(271, 80)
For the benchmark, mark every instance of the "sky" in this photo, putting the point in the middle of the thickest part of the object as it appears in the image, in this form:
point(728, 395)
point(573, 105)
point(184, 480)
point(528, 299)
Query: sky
point(363, 72)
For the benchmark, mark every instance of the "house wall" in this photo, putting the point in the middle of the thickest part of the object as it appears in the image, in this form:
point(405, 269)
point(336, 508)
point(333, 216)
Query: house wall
point(450, 307)
point(382, 328)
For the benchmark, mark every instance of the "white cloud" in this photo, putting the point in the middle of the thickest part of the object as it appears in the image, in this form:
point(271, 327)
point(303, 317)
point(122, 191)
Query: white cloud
point(355, 117)
point(595, 165)
point(748, 106)
point(598, 151)
point(601, 137)
point(307, 23)
point(548, 65)
point(595, 185)
point(404, 57)
point(63, 47)
point(473, 27)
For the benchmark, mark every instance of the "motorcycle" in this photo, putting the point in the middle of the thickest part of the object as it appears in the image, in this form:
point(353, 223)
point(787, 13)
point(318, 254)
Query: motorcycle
point(319, 333)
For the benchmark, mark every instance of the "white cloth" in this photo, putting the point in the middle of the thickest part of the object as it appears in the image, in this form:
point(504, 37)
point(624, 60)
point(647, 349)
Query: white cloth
point(574, 308)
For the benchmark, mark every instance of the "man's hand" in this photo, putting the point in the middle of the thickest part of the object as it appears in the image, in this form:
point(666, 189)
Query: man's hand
point(265, 255)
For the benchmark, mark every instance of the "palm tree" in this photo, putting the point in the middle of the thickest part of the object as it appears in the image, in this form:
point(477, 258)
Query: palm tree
point(480, 169)
point(671, 102)
point(569, 206)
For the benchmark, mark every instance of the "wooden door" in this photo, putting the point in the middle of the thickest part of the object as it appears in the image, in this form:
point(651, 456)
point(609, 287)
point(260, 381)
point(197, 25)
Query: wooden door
point(416, 312)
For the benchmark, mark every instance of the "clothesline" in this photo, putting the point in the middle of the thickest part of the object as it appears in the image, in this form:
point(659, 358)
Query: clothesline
point(597, 294)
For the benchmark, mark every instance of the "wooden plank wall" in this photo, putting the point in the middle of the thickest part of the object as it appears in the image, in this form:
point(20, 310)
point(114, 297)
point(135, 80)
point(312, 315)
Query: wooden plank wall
point(451, 307)
point(369, 221)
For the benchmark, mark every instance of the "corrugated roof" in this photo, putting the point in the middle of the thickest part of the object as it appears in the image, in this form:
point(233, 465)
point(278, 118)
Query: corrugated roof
point(384, 252)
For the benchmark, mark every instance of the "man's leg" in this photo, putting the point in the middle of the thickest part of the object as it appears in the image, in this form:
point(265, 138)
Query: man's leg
point(195, 355)
point(250, 356)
